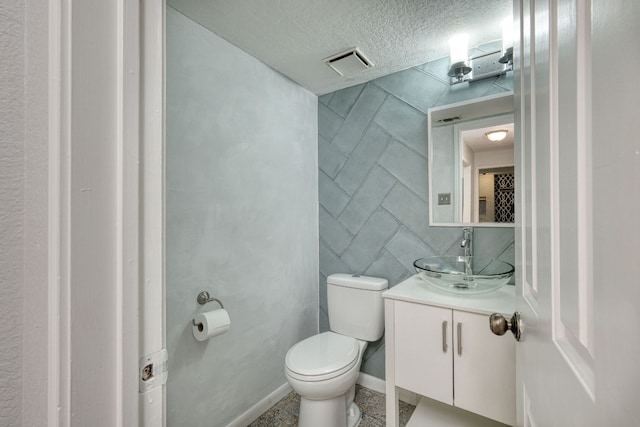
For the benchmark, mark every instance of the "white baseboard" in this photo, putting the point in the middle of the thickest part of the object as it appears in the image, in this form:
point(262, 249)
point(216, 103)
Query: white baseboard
point(371, 382)
point(261, 407)
point(376, 384)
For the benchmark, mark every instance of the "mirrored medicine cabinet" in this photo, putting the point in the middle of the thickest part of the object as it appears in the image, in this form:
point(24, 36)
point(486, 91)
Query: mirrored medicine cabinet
point(471, 177)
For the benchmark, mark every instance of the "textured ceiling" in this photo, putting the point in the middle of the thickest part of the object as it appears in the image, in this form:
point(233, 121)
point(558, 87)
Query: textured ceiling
point(294, 36)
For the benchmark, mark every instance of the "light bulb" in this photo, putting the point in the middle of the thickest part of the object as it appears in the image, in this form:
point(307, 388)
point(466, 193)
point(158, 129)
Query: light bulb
point(507, 34)
point(459, 48)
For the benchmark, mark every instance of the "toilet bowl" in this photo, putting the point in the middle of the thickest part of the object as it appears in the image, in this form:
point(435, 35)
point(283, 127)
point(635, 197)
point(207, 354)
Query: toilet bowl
point(323, 369)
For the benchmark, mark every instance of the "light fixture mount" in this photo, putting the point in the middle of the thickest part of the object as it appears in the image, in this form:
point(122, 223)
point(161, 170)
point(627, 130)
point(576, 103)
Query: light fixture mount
point(459, 70)
point(478, 67)
point(507, 58)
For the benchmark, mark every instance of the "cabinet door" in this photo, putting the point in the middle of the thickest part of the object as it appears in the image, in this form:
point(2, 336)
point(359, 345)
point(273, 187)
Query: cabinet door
point(484, 368)
point(423, 362)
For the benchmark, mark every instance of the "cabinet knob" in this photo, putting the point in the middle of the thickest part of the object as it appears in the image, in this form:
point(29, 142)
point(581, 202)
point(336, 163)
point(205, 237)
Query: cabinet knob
point(499, 325)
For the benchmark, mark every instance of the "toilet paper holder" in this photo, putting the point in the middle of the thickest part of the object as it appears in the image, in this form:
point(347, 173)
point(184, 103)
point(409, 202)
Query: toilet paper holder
point(203, 298)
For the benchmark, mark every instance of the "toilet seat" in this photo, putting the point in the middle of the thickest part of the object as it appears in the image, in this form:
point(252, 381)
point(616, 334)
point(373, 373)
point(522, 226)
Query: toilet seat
point(321, 357)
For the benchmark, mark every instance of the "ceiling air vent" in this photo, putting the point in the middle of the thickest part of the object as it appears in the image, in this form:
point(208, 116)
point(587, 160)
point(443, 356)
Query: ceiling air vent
point(349, 62)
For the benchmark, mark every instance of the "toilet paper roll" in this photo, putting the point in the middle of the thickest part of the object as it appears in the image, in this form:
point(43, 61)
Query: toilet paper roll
point(210, 324)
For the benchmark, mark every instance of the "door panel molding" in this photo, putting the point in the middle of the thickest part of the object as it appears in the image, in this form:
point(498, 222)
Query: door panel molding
point(571, 230)
point(527, 156)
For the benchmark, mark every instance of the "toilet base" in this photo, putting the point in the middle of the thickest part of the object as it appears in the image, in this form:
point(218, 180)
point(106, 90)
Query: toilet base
point(353, 416)
point(329, 412)
point(323, 413)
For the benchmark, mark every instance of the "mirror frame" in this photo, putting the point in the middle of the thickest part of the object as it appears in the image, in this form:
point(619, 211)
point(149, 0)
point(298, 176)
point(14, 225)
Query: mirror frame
point(491, 106)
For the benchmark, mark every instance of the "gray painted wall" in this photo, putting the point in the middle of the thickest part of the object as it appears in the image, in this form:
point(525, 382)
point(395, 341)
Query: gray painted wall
point(373, 180)
point(12, 128)
point(242, 222)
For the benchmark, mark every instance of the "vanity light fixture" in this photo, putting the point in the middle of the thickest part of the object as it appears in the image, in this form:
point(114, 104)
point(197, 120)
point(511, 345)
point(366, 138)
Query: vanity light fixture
point(496, 135)
point(490, 64)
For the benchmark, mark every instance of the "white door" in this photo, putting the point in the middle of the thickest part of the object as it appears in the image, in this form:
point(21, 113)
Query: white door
point(578, 232)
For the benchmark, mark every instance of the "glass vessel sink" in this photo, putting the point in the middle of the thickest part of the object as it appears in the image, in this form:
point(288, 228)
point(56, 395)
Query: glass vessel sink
point(452, 274)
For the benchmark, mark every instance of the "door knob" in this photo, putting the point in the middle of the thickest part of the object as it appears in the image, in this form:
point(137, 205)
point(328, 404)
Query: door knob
point(499, 325)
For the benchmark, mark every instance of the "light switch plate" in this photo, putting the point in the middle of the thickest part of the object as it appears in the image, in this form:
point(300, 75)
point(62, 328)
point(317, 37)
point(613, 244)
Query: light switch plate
point(444, 198)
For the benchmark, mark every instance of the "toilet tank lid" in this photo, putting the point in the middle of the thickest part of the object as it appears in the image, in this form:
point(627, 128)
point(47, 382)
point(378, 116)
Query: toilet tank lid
point(358, 282)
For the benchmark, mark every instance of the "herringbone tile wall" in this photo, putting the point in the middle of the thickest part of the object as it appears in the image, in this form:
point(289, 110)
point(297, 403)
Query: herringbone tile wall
point(372, 155)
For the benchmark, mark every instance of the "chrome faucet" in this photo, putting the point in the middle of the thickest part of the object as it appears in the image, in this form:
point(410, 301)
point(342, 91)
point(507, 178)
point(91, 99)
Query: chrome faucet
point(467, 245)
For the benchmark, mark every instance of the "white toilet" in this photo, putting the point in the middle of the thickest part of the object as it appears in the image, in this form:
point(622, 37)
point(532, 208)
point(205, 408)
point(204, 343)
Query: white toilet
point(323, 369)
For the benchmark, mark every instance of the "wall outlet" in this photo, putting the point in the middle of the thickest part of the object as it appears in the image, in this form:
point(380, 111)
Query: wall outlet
point(444, 198)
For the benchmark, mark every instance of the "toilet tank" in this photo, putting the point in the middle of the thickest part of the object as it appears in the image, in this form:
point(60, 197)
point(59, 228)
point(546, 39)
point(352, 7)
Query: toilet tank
point(355, 305)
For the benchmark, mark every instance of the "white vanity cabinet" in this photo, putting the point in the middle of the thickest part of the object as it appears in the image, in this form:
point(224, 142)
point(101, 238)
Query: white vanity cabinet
point(423, 362)
point(484, 380)
point(439, 346)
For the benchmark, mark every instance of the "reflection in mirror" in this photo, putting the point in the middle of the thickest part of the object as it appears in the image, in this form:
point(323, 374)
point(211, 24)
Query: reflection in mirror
point(495, 195)
point(471, 152)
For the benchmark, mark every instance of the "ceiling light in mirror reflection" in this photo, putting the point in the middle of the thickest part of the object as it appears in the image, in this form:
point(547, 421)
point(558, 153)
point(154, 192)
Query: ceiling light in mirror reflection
point(496, 135)
point(478, 140)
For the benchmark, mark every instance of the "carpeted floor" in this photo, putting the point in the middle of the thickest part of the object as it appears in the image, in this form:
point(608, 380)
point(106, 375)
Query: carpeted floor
point(371, 404)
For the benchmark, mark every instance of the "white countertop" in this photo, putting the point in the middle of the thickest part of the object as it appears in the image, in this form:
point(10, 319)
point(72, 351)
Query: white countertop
point(416, 290)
